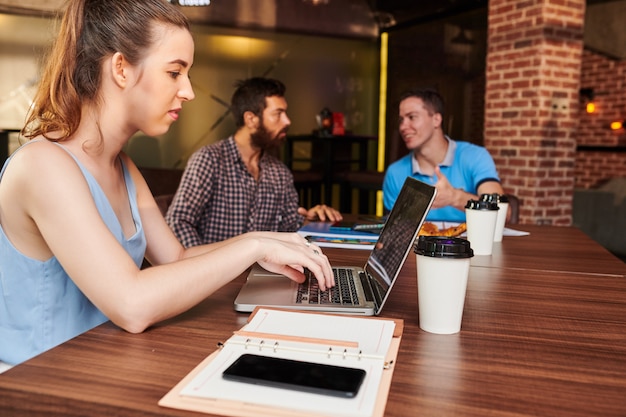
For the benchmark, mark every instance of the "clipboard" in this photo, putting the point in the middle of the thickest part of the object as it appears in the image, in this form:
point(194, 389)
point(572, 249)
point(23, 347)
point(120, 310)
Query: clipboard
point(175, 398)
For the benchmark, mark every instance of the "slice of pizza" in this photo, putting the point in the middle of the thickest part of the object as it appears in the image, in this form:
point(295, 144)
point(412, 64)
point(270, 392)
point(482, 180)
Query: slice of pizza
point(431, 229)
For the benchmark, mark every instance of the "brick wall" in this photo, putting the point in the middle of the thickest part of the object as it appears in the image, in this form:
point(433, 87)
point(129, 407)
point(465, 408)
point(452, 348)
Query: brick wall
point(607, 77)
point(532, 107)
point(594, 168)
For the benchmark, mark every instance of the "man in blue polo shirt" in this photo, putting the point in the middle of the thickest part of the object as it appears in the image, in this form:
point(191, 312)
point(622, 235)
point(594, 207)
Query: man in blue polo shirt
point(459, 170)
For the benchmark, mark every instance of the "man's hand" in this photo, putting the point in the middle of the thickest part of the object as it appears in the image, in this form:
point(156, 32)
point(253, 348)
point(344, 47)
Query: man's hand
point(447, 195)
point(320, 212)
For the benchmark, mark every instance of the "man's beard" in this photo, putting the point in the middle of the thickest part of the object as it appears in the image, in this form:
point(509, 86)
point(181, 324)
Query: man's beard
point(263, 139)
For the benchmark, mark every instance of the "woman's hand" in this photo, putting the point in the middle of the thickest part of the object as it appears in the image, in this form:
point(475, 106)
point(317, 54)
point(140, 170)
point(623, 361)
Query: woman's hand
point(289, 253)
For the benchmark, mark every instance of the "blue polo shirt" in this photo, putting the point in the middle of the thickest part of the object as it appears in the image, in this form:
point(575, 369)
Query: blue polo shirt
point(465, 166)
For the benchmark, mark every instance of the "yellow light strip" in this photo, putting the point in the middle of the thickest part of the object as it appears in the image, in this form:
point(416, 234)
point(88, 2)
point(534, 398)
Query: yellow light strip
point(382, 114)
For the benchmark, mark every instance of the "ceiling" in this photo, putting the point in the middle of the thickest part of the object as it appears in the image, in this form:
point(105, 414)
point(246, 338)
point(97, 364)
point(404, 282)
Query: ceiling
point(605, 31)
point(397, 14)
point(351, 18)
point(405, 13)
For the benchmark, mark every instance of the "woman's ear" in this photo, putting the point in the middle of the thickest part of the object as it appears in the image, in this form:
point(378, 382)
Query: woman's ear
point(119, 69)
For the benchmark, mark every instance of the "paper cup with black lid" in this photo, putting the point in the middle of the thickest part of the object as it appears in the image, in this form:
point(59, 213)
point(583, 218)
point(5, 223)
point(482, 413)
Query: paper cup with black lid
point(503, 205)
point(481, 217)
point(442, 270)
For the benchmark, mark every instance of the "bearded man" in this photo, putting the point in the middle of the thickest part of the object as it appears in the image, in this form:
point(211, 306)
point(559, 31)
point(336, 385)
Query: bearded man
point(237, 185)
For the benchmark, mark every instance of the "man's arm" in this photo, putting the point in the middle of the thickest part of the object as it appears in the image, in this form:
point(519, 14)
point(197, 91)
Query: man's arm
point(184, 213)
point(490, 187)
point(291, 220)
point(477, 164)
point(447, 195)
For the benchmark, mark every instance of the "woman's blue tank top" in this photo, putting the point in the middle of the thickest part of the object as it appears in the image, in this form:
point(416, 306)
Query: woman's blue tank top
point(40, 306)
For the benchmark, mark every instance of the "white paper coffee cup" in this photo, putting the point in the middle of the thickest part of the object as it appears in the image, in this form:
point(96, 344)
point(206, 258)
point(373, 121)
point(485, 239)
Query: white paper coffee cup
point(503, 205)
point(500, 221)
point(481, 218)
point(442, 271)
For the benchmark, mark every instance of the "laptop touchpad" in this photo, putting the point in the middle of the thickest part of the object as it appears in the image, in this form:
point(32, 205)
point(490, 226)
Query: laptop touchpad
point(270, 288)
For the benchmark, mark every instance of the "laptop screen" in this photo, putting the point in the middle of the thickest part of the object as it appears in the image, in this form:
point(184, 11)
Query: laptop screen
point(397, 237)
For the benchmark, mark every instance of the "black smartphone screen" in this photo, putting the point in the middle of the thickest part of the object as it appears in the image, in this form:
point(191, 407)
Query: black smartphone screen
point(296, 375)
point(341, 226)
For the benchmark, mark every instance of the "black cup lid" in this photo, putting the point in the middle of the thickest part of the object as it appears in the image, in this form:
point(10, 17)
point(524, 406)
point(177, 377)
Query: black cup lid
point(443, 247)
point(494, 197)
point(481, 205)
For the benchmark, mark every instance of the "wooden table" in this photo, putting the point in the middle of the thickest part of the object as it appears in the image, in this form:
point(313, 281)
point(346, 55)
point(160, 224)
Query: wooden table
point(536, 340)
point(552, 249)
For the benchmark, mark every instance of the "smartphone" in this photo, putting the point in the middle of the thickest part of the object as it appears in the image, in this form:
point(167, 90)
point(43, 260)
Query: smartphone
point(295, 375)
point(341, 226)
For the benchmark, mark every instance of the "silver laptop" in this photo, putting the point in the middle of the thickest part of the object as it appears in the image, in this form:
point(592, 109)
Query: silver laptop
point(358, 290)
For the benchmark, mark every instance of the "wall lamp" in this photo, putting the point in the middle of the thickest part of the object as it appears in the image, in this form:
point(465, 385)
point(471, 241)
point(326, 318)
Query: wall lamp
point(618, 124)
point(588, 95)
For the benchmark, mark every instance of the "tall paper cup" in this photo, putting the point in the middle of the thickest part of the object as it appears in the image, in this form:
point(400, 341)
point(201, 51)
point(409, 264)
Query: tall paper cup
point(503, 205)
point(481, 217)
point(499, 232)
point(442, 270)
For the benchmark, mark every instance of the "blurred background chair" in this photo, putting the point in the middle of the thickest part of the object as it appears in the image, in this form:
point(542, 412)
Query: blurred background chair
point(163, 182)
point(365, 184)
point(309, 186)
point(514, 206)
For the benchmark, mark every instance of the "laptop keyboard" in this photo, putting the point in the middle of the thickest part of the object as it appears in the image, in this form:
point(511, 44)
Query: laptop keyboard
point(344, 292)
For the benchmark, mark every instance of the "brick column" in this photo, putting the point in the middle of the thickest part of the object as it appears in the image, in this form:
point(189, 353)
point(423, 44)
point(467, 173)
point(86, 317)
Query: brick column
point(531, 102)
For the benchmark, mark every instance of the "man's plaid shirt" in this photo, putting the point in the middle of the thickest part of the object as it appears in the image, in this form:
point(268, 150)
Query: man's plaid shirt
point(218, 198)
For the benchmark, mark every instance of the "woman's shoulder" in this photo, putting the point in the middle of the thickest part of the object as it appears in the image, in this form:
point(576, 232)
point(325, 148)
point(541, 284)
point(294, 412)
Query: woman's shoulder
point(37, 146)
point(40, 163)
point(36, 154)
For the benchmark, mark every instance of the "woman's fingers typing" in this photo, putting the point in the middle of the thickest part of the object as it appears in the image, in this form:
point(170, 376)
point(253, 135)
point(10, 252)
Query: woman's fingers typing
point(296, 252)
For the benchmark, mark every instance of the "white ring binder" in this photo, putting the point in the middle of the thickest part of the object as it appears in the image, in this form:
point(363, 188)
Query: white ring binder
point(344, 341)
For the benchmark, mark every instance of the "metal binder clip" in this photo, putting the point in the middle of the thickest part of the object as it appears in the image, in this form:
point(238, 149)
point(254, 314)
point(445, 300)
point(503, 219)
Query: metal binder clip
point(246, 344)
point(275, 346)
point(330, 351)
point(261, 344)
